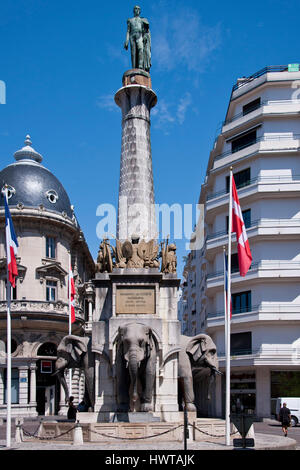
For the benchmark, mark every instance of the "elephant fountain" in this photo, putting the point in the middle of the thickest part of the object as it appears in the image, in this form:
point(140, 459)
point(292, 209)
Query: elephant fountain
point(197, 360)
point(135, 367)
point(75, 352)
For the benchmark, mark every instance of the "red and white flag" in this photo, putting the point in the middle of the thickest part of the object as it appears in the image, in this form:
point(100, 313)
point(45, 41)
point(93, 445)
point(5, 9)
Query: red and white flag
point(238, 226)
point(72, 295)
point(11, 246)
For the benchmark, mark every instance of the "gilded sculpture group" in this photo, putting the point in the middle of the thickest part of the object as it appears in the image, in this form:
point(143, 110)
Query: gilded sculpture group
point(136, 254)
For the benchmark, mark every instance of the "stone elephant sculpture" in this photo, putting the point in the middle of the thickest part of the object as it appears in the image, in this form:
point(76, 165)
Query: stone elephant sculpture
point(75, 352)
point(135, 367)
point(197, 360)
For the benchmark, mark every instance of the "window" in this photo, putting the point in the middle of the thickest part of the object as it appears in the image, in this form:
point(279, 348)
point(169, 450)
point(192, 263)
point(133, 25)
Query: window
point(234, 263)
point(47, 349)
point(13, 291)
point(50, 247)
point(241, 343)
point(52, 196)
point(246, 218)
point(241, 302)
point(13, 346)
point(285, 383)
point(51, 287)
point(241, 178)
point(252, 106)
point(14, 386)
point(243, 141)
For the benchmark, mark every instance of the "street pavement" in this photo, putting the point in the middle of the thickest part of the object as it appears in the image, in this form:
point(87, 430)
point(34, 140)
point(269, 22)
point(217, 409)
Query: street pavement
point(268, 435)
point(274, 428)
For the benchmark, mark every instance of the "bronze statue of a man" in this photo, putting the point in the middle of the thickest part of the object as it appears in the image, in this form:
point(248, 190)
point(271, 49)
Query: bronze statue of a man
point(138, 33)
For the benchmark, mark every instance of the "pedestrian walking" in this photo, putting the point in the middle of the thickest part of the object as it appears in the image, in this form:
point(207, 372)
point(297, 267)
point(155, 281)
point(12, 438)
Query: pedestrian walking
point(285, 418)
point(72, 410)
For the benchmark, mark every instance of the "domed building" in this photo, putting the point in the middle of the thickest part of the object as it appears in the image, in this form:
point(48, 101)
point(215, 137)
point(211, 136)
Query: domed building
point(48, 235)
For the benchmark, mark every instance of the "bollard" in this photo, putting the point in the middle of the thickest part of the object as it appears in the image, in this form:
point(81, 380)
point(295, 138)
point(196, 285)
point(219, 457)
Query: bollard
point(78, 437)
point(19, 432)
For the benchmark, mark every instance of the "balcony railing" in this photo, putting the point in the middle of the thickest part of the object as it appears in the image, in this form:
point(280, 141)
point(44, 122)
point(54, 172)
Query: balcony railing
point(264, 308)
point(233, 271)
point(259, 223)
point(265, 264)
point(265, 352)
point(265, 70)
point(258, 179)
point(261, 105)
point(39, 306)
point(276, 137)
point(247, 309)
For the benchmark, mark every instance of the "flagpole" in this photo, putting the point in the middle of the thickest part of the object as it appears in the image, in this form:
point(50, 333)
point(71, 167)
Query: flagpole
point(225, 296)
point(8, 349)
point(227, 322)
point(70, 323)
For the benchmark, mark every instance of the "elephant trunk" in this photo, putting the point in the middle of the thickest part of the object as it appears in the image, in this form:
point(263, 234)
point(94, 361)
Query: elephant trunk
point(133, 366)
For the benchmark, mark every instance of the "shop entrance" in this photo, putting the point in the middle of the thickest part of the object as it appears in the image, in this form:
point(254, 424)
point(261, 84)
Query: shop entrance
point(47, 388)
point(242, 392)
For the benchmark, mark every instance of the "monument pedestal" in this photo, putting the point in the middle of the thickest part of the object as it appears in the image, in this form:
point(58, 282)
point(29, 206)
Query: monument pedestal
point(151, 296)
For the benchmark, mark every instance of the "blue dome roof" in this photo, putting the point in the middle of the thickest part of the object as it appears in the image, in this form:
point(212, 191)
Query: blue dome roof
point(31, 184)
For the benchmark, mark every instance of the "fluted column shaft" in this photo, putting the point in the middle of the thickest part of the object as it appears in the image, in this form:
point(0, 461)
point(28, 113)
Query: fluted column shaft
point(136, 214)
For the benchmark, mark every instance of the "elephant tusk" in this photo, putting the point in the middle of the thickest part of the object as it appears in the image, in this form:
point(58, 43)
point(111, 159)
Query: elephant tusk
point(126, 364)
point(216, 371)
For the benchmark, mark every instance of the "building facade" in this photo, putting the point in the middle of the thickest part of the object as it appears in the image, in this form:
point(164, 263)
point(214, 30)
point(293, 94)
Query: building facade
point(49, 236)
point(260, 139)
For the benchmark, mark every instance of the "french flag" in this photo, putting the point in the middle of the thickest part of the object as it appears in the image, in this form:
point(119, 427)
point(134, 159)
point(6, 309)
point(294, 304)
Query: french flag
point(72, 296)
point(238, 226)
point(11, 246)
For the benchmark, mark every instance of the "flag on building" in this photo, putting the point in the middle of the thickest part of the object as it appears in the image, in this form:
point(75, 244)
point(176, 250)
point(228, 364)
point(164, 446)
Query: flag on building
point(226, 285)
point(238, 226)
point(72, 295)
point(11, 246)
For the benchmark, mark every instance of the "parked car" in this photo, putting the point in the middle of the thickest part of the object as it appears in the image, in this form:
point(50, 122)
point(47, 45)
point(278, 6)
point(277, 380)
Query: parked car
point(294, 406)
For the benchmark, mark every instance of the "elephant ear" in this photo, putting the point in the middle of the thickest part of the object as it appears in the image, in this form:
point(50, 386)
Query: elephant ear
point(74, 345)
point(118, 340)
point(149, 341)
point(197, 346)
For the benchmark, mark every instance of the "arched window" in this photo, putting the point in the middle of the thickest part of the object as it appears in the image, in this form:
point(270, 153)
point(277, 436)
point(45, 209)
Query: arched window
point(13, 345)
point(47, 349)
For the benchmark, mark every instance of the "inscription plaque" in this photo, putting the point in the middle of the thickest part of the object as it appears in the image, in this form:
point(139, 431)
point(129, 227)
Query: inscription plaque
point(138, 300)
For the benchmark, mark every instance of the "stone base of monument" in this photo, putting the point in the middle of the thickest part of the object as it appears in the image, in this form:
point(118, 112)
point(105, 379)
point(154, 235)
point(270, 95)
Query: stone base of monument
point(117, 417)
point(203, 429)
point(135, 417)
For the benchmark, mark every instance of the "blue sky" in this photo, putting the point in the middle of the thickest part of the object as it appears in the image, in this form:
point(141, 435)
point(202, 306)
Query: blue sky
point(62, 62)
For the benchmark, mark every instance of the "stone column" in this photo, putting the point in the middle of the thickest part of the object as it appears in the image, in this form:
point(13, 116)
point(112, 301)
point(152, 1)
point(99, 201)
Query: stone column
point(75, 385)
point(33, 385)
point(89, 292)
point(263, 392)
point(136, 214)
point(63, 407)
point(23, 386)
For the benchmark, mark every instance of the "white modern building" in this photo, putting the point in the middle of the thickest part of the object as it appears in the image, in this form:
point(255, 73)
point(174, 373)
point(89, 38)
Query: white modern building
point(260, 139)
